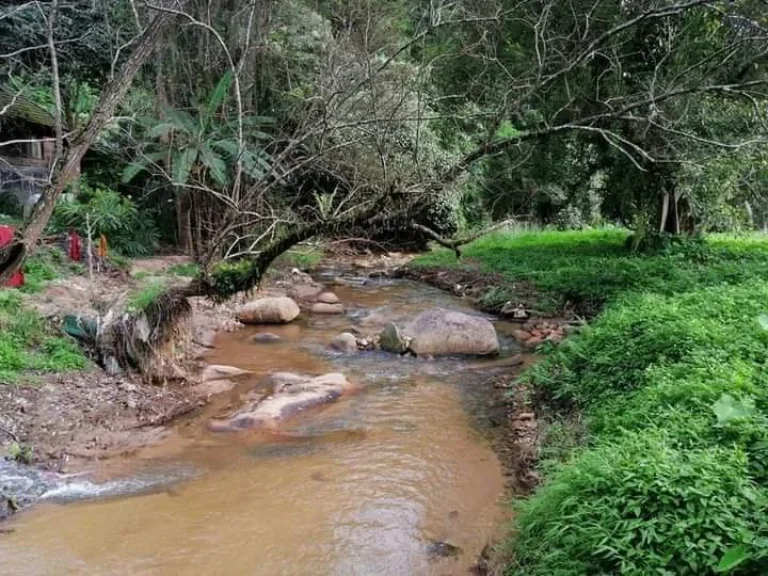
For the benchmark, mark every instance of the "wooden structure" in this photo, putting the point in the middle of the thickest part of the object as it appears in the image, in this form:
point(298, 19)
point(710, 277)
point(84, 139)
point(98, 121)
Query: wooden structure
point(27, 149)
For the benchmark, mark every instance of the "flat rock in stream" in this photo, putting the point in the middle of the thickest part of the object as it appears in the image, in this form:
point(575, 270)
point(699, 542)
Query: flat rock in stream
point(324, 308)
point(292, 394)
point(220, 372)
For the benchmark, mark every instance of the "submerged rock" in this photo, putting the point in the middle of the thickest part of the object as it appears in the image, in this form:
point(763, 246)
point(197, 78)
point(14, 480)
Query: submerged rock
point(439, 549)
point(438, 331)
point(277, 310)
point(219, 372)
point(266, 338)
point(345, 343)
point(292, 394)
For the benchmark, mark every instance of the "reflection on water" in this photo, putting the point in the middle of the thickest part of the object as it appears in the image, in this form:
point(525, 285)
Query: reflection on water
point(364, 486)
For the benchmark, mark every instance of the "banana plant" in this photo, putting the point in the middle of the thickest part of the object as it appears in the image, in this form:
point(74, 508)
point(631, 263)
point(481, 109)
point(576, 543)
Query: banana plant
point(199, 144)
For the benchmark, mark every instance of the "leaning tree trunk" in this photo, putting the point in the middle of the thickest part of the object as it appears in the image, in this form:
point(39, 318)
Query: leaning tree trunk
point(12, 256)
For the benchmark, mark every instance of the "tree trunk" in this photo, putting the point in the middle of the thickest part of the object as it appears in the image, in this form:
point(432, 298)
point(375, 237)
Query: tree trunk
point(670, 217)
point(13, 255)
point(184, 219)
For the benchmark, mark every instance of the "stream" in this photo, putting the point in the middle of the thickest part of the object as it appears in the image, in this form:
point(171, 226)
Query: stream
point(398, 478)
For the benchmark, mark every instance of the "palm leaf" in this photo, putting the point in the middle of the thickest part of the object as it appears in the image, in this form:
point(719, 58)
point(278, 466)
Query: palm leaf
point(182, 164)
point(160, 129)
point(181, 120)
point(217, 97)
point(215, 164)
point(255, 163)
point(139, 165)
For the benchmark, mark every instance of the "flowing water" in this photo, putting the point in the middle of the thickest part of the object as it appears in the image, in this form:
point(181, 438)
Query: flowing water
point(373, 484)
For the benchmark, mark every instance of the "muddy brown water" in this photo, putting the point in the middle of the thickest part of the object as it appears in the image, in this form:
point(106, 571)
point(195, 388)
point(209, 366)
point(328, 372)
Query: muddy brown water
point(360, 487)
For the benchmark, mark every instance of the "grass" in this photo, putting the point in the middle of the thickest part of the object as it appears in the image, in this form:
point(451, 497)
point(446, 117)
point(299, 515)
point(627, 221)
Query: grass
point(186, 270)
point(147, 295)
point(671, 383)
point(45, 265)
point(303, 257)
point(589, 269)
point(29, 345)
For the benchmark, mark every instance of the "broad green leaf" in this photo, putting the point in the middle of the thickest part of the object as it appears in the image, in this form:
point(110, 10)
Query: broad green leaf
point(132, 170)
point(140, 164)
point(217, 168)
point(732, 558)
point(182, 164)
point(229, 146)
point(763, 321)
point(182, 121)
point(160, 129)
point(218, 95)
point(727, 408)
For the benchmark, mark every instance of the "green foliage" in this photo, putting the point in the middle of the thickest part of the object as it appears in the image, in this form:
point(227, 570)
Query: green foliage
point(29, 345)
point(302, 257)
point(147, 295)
point(188, 270)
point(202, 145)
point(20, 453)
point(45, 265)
point(661, 465)
point(117, 217)
point(639, 505)
point(586, 269)
point(229, 278)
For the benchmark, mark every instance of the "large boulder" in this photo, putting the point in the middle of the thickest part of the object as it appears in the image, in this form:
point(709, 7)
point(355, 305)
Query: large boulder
point(438, 331)
point(292, 394)
point(278, 310)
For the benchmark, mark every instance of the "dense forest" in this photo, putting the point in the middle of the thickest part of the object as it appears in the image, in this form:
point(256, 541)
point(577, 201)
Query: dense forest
point(633, 132)
point(235, 129)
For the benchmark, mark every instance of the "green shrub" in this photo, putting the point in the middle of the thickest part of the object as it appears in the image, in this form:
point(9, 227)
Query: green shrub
point(641, 506)
point(116, 217)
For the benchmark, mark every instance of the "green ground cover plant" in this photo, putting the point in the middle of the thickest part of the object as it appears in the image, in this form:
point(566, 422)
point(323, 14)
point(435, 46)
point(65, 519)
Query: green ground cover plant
point(29, 345)
point(671, 384)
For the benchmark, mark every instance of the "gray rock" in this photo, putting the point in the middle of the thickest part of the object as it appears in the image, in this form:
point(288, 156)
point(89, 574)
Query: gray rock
point(438, 331)
point(390, 339)
point(292, 395)
point(439, 549)
point(345, 343)
point(323, 308)
point(277, 310)
point(219, 371)
point(328, 298)
point(266, 338)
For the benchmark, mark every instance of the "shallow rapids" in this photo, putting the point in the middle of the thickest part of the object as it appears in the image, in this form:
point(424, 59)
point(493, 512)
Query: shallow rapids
point(384, 481)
